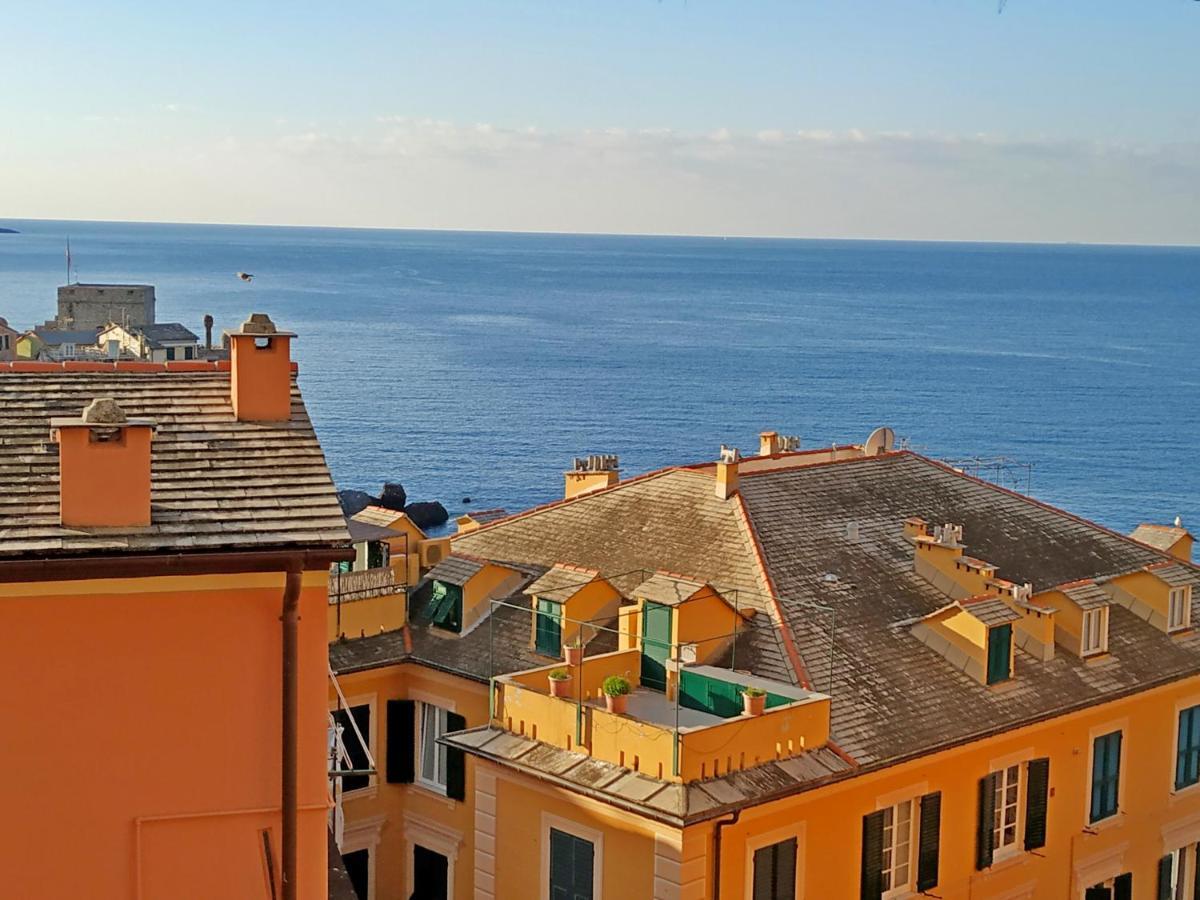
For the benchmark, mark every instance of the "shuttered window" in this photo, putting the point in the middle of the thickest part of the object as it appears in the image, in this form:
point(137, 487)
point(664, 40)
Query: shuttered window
point(872, 856)
point(1037, 793)
point(1006, 809)
point(548, 631)
point(1187, 759)
point(445, 606)
point(1106, 775)
point(984, 826)
point(775, 871)
point(456, 761)
point(929, 841)
point(401, 741)
point(571, 866)
point(999, 654)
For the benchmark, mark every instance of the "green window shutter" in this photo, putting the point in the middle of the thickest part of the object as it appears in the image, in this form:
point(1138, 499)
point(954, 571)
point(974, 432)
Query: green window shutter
point(999, 647)
point(1123, 887)
point(456, 761)
point(1166, 868)
point(401, 741)
point(987, 814)
point(872, 856)
point(775, 871)
point(1187, 762)
point(929, 846)
point(571, 862)
point(548, 637)
point(1037, 794)
point(1106, 775)
point(445, 606)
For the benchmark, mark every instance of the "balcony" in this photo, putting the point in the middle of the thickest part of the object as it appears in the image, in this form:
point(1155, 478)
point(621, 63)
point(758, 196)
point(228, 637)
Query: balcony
point(682, 735)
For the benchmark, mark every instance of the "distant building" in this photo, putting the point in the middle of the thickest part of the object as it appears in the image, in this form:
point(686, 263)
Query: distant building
point(8, 341)
point(163, 342)
point(92, 306)
point(54, 345)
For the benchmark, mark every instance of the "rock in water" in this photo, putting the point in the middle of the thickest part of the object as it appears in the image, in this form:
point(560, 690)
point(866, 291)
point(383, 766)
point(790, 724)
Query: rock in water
point(394, 496)
point(355, 501)
point(427, 515)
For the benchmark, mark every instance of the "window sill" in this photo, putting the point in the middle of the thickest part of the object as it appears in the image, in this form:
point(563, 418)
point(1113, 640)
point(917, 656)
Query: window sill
point(1183, 794)
point(436, 793)
point(367, 793)
point(1116, 820)
point(1005, 860)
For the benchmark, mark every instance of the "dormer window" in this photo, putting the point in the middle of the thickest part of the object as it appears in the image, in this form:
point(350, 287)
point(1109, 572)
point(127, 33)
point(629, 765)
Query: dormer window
point(1179, 609)
point(1094, 638)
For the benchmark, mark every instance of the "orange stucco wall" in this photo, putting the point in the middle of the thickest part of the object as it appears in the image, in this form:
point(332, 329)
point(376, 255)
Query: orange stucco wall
point(144, 740)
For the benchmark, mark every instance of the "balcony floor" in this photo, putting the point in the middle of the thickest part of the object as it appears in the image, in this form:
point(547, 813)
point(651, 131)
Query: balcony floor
point(654, 707)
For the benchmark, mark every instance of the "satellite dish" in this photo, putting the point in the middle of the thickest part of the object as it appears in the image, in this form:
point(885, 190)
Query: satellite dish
point(882, 440)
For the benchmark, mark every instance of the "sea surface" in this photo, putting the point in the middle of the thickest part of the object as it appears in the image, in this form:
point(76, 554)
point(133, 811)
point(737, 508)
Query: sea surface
point(478, 364)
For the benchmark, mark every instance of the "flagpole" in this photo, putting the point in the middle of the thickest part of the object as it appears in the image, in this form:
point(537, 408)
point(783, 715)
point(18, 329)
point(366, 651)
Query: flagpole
point(68, 260)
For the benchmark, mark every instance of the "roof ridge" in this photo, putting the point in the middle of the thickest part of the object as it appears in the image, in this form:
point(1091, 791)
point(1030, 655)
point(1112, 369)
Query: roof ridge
point(890, 454)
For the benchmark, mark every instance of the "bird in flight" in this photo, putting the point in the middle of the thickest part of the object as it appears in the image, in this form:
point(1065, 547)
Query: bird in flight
point(245, 276)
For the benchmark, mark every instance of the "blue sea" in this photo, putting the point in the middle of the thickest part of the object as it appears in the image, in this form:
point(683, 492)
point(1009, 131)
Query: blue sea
point(478, 364)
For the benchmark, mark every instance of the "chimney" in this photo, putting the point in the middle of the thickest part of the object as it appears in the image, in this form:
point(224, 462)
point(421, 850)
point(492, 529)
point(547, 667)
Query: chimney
point(208, 324)
point(261, 371)
point(768, 443)
point(104, 467)
point(727, 472)
point(591, 473)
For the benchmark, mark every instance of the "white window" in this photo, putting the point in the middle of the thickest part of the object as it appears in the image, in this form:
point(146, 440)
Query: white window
point(433, 754)
point(3, 341)
point(1095, 631)
point(1006, 819)
point(897, 849)
point(1179, 608)
point(68, 350)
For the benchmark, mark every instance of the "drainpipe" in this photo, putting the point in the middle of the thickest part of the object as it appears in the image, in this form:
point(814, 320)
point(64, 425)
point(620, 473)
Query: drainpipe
point(737, 814)
point(290, 619)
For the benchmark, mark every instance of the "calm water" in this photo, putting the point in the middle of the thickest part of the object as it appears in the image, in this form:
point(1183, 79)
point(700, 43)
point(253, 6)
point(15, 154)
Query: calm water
point(479, 364)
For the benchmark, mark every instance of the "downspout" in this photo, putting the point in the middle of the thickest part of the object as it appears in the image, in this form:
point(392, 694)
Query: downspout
point(737, 814)
point(290, 619)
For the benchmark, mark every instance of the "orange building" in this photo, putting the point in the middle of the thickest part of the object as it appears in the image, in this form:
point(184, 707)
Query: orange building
point(165, 541)
point(1020, 722)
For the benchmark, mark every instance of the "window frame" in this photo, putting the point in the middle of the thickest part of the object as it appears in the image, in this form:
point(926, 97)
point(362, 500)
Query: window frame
point(583, 832)
point(371, 734)
point(1001, 850)
point(439, 751)
point(1184, 598)
point(1100, 613)
point(888, 871)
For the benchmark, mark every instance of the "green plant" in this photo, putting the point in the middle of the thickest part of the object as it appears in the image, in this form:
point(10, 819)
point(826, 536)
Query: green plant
point(752, 691)
point(559, 675)
point(615, 685)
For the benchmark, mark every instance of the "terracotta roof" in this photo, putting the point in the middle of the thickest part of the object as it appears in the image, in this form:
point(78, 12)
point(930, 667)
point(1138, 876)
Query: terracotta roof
point(562, 582)
point(1086, 594)
point(662, 587)
point(1161, 537)
point(216, 483)
point(990, 611)
point(455, 570)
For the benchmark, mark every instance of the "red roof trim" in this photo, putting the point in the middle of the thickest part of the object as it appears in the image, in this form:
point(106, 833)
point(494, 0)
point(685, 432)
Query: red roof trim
point(126, 365)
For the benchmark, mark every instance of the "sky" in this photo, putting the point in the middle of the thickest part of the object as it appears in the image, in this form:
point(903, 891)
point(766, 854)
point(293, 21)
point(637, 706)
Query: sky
point(1071, 120)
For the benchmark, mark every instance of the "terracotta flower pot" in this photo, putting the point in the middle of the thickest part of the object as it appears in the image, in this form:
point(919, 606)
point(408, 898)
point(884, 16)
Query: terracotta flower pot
point(560, 687)
point(753, 704)
point(616, 703)
point(573, 656)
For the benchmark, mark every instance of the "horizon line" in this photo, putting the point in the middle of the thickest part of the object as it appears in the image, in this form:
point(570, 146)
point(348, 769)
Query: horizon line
point(647, 234)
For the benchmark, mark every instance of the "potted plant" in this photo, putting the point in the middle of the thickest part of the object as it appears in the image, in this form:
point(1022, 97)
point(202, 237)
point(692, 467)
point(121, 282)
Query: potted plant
point(616, 693)
point(573, 651)
point(754, 701)
point(560, 683)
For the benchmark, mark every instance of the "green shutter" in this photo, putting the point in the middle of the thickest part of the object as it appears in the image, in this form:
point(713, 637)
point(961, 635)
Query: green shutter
point(548, 633)
point(1037, 795)
point(775, 871)
point(1123, 887)
point(999, 647)
point(571, 862)
point(1187, 761)
point(445, 606)
point(656, 644)
point(1106, 775)
point(872, 856)
point(983, 827)
point(401, 741)
point(930, 839)
point(456, 761)
point(1166, 868)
